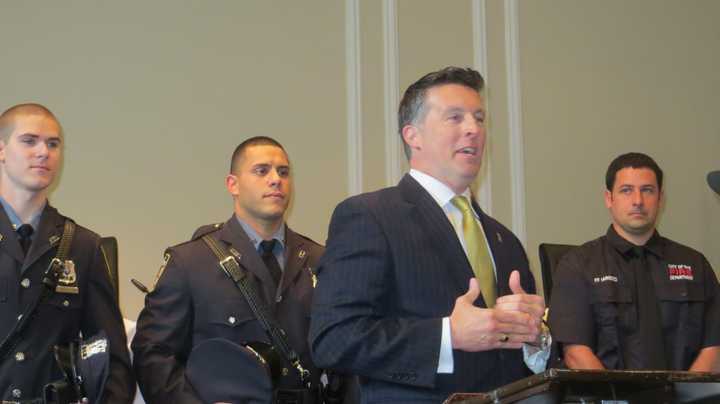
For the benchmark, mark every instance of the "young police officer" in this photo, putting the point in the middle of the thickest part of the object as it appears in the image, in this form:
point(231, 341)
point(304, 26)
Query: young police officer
point(30, 234)
point(195, 303)
point(633, 299)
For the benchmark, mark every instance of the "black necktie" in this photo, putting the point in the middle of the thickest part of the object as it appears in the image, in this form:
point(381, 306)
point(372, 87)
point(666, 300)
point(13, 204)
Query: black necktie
point(650, 327)
point(267, 246)
point(24, 232)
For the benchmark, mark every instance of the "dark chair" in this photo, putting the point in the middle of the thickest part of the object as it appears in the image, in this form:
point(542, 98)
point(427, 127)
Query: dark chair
point(109, 249)
point(550, 255)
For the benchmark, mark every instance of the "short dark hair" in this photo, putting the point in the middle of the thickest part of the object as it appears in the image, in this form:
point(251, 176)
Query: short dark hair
point(7, 118)
point(253, 141)
point(412, 105)
point(632, 160)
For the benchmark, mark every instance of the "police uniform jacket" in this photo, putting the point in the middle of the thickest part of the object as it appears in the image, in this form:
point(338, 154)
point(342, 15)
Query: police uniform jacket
point(594, 302)
point(194, 300)
point(31, 364)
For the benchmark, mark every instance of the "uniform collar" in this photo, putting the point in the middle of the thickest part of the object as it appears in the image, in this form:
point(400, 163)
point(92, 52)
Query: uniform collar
point(255, 238)
point(15, 220)
point(624, 247)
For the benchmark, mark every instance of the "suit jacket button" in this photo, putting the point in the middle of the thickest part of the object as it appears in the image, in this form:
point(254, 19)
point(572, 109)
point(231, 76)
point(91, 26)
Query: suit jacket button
point(231, 320)
point(25, 283)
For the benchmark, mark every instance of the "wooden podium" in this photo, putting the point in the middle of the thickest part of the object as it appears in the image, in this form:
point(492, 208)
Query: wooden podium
point(560, 386)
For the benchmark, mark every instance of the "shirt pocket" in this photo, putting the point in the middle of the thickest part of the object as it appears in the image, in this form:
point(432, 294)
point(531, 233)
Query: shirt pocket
point(64, 302)
point(230, 320)
point(682, 305)
point(614, 307)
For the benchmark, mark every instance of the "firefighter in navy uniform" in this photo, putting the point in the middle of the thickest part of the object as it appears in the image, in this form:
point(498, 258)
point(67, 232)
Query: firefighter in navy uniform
point(633, 299)
point(30, 233)
point(195, 303)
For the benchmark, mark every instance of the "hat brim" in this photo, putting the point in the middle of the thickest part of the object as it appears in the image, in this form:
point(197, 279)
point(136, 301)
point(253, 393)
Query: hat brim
point(222, 371)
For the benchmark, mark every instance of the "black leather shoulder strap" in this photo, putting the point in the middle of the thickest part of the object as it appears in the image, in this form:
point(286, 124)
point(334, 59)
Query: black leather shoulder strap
point(230, 266)
point(50, 283)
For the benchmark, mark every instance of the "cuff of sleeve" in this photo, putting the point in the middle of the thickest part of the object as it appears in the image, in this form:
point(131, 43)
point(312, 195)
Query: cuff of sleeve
point(536, 358)
point(445, 363)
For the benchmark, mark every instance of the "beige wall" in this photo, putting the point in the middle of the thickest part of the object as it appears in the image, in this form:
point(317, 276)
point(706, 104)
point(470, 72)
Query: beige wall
point(603, 78)
point(155, 96)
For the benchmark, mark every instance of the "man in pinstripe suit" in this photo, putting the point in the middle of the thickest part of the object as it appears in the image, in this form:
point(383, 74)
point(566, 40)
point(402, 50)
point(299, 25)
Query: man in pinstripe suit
point(397, 301)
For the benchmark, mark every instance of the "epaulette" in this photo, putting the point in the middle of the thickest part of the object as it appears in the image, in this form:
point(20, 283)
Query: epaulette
point(206, 229)
point(306, 238)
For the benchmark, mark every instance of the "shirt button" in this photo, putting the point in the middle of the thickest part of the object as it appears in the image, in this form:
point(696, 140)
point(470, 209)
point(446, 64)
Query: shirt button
point(16, 393)
point(231, 320)
point(66, 303)
point(25, 283)
point(19, 356)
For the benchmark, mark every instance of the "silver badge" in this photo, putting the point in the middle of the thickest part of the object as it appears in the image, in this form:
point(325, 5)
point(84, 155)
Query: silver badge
point(67, 282)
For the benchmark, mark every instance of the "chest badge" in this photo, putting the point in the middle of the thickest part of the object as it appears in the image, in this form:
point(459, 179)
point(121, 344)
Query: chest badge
point(680, 272)
point(67, 280)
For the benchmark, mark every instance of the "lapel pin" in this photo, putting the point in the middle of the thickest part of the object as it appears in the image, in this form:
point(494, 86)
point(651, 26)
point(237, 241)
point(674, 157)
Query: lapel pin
point(499, 237)
point(302, 254)
point(1, 237)
point(54, 239)
point(313, 277)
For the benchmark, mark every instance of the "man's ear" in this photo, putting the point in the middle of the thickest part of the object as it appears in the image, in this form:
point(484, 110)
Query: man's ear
point(231, 184)
point(411, 136)
point(2, 151)
point(608, 199)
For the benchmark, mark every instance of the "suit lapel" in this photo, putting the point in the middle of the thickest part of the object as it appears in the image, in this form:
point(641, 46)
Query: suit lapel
point(9, 241)
point(234, 235)
point(48, 235)
point(433, 221)
point(295, 258)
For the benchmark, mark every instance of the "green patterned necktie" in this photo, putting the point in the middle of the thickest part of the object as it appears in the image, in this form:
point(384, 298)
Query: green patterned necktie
point(477, 250)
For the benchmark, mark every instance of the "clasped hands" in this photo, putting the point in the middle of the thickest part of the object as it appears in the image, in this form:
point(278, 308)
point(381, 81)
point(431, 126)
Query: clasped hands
point(515, 319)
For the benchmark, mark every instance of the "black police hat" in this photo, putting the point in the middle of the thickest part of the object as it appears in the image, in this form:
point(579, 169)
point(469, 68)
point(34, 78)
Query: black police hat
point(222, 371)
point(713, 179)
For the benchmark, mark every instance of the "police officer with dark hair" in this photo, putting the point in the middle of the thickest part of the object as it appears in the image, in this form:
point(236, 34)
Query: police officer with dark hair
point(82, 302)
point(633, 299)
point(197, 337)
